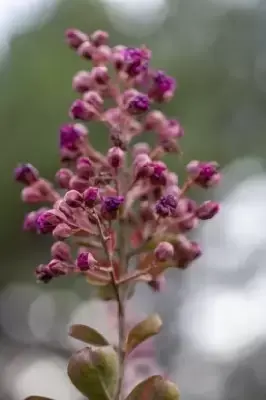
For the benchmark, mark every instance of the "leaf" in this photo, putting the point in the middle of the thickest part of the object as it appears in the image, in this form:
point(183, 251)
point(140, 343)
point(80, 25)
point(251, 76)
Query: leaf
point(142, 331)
point(87, 334)
point(155, 388)
point(94, 372)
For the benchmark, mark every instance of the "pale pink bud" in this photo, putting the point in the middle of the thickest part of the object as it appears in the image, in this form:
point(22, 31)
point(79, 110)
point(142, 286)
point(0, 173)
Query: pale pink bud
point(31, 195)
point(164, 251)
point(140, 148)
point(63, 177)
point(62, 231)
point(100, 75)
point(93, 98)
point(115, 157)
point(61, 251)
point(84, 168)
point(78, 184)
point(99, 38)
point(86, 50)
point(82, 81)
point(154, 120)
point(75, 38)
point(102, 54)
point(207, 210)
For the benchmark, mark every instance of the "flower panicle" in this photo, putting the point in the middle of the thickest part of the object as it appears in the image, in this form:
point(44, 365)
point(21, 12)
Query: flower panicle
point(94, 194)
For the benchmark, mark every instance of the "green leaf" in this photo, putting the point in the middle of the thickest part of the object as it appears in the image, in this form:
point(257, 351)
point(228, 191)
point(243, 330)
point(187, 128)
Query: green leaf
point(94, 372)
point(142, 331)
point(87, 334)
point(155, 388)
point(38, 398)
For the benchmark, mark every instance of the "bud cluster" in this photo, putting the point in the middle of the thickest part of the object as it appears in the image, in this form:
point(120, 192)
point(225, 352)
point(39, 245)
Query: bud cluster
point(125, 203)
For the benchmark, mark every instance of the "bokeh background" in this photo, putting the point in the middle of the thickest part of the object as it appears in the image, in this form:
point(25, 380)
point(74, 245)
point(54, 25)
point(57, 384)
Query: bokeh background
point(214, 341)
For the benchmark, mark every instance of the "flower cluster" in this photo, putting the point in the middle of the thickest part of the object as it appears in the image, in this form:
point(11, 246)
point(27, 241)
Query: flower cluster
point(124, 204)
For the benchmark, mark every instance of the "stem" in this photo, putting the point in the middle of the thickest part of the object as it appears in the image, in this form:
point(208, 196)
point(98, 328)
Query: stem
point(120, 312)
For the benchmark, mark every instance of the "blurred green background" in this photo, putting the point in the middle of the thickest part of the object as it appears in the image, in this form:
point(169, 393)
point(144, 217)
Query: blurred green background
point(217, 52)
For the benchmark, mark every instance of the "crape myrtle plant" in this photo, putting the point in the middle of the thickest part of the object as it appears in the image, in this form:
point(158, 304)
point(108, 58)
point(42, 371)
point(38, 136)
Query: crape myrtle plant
point(118, 218)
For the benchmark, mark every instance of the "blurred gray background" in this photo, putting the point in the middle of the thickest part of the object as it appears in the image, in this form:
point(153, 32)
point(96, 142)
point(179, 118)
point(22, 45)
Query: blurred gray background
point(214, 341)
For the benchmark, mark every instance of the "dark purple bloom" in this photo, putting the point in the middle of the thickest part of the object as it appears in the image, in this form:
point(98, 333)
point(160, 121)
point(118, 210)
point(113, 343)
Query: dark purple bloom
point(71, 136)
point(111, 205)
point(166, 205)
point(26, 173)
point(162, 85)
point(139, 104)
point(135, 61)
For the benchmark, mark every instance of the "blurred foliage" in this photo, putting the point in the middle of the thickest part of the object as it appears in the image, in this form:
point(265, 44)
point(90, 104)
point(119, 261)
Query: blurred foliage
point(212, 52)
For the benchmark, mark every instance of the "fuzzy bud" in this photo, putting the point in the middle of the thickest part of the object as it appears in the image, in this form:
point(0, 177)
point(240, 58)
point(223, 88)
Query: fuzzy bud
point(158, 175)
point(82, 81)
point(62, 231)
point(102, 54)
point(207, 210)
point(83, 111)
point(72, 136)
point(138, 104)
point(163, 87)
point(26, 174)
point(86, 50)
point(154, 120)
point(79, 184)
point(115, 157)
point(75, 38)
point(94, 99)
point(63, 177)
point(61, 251)
point(111, 206)
point(84, 168)
point(164, 252)
point(100, 75)
point(48, 220)
point(31, 195)
point(166, 205)
point(99, 38)
point(73, 199)
point(91, 197)
point(205, 174)
point(85, 261)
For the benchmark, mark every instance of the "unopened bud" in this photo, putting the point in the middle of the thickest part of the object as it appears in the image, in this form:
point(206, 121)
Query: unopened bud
point(79, 184)
point(63, 177)
point(83, 111)
point(91, 197)
point(100, 75)
point(61, 251)
point(26, 173)
point(94, 99)
point(99, 38)
point(75, 38)
point(85, 261)
point(73, 199)
point(31, 195)
point(164, 251)
point(86, 50)
point(82, 81)
point(62, 231)
point(48, 220)
point(207, 210)
point(115, 157)
point(84, 168)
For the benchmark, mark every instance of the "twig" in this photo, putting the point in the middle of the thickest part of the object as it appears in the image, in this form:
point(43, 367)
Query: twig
point(121, 311)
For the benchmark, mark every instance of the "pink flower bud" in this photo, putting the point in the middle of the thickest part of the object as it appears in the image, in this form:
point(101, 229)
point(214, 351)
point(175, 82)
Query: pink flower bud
point(31, 195)
point(154, 120)
point(141, 166)
point(61, 206)
point(48, 220)
point(172, 129)
point(102, 54)
point(140, 148)
point(86, 50)
point(205, 174)
point(94, 99)
point(75, 38)
point(83, 111)
point(115, 157)
point(63, 177)
point(62, 231)
point(61, 251)
point(99, 38)
point(164, 251)
point(91, 197)
point(82, 81)
point(73, 199)
point(84, 168)
point(100, 75)
point(85, 261)
point(207, 210)
point(26, 173)
point(78, 184)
